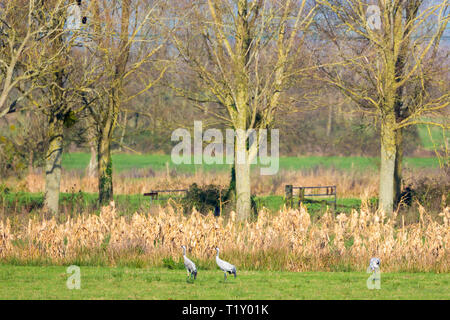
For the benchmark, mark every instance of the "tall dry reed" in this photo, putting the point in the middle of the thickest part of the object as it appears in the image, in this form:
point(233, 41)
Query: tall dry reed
point(288, 240)
point(350, 184)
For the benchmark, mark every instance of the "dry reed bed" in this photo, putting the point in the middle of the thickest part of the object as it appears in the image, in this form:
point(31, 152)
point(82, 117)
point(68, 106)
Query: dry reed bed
point(285, 241)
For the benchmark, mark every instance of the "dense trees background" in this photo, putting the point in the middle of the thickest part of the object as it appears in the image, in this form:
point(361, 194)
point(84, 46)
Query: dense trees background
point(138, 69)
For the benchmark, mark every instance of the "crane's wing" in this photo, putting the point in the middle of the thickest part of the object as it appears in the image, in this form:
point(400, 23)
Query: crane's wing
point(225, 266)
point(190, 266)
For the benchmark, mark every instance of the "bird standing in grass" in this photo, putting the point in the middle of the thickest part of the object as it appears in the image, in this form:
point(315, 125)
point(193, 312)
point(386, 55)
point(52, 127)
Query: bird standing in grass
point(225, 266)
point(190, 266)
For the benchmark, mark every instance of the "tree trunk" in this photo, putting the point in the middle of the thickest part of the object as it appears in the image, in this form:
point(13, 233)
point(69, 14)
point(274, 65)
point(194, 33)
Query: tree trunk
point(30, 162)
point(108, 124)
point(105, 185)
point(330, 120)
point(53, 164)
point(398, 165)
point(92, 167)
point(388, 152)
point(231, 193)
point(91, 170)
point(31, 151)
point(123, 130)
point(243, 202)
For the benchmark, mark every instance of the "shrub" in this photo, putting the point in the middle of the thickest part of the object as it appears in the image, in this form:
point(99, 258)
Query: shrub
point(205, 199)
point(212, 198)
point(431, 192)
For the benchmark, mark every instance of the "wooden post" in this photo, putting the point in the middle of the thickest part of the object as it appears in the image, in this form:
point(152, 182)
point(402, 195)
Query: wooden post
point(301, 195)
point(335, 198)
point(289, 195)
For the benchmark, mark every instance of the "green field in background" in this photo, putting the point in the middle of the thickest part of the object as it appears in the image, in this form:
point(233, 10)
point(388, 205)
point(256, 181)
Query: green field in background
point(78, 202)
point(124, 162)
point(32, 282)
point(437, 138)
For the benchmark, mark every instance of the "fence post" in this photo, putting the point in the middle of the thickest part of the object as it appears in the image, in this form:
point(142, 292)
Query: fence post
point(301, 195)
point(288, 195)
point(335, 198)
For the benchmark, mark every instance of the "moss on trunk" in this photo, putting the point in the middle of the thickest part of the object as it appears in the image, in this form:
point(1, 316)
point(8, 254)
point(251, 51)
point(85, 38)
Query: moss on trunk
point(53, 159)
point(105, 183)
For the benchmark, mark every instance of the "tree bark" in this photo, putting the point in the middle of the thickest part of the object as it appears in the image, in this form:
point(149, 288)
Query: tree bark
point(125, 121)
point(93, 162)
point(104, 162)
point(53, 164)
point(388, 153)
point(105, 183)
point(242, 165)
point(398, 165)
point(231, 193)
point(92, 168)
point(330, 120)
point(30, 162)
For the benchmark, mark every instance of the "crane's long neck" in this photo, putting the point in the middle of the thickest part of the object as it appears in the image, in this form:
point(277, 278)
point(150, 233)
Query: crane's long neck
point(184, 251)
point(217, 255)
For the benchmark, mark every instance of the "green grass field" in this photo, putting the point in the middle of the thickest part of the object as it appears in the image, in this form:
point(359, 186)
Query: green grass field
point(437, 138)
point(29, 282)
point(124, 162)
point(127, 204)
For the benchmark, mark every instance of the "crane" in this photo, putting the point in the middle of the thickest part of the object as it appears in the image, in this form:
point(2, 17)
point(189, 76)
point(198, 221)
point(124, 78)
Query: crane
point(225, 266)
point(190, 266)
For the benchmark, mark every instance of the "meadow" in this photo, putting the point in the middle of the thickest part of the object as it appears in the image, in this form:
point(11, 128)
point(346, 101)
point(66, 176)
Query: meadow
point(338, 99)
point(158, 162)
point(27, 204)
point(430, 138)
point(356, 179)
point(131, 249)
point(289, 240)
point(32, 282)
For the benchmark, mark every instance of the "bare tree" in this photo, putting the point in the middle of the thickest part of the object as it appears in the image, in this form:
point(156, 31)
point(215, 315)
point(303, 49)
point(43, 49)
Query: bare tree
point(245, 53)
point(125, 40)
point(22, 29)
point(57, 90)
point(381, 50)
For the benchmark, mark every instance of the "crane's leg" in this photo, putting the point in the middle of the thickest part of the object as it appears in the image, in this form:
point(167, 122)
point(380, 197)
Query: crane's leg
point(225, 274)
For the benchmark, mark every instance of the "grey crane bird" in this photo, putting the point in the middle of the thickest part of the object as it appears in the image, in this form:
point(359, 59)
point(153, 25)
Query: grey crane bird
point(190, 266)
point(225, 266)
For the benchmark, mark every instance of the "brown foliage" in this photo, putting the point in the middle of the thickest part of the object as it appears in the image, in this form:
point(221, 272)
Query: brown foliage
point(288, 240)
